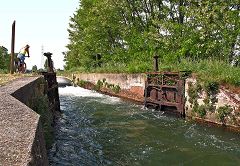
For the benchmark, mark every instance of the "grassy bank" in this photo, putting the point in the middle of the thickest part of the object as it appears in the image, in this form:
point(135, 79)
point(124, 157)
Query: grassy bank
point(207, 70)
point(204, 70)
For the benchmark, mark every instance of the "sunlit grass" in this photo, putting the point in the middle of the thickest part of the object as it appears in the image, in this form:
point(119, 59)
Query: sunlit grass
point(5, 78)
point(209, 70)
point(205, 70)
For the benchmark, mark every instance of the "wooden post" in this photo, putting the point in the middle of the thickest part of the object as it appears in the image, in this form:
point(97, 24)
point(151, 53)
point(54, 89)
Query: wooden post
point(12, 48)
point(155, 63)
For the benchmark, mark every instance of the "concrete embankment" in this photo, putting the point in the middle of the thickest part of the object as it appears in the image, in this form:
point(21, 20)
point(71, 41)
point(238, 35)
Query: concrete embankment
point(128, 86)
point(21, 134)
point(212, 103)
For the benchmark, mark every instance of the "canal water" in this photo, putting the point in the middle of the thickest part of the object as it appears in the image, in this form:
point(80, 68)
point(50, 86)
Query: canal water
point(97, 129)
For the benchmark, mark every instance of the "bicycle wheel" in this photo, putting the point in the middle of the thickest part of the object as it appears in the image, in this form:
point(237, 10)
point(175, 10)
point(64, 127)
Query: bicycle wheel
point(22, 68)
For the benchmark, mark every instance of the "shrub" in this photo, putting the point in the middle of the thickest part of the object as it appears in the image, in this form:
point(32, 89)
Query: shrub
point(116, 89)
point(81, 83)
point(211, 87)
point(99, 85)
point(201, 111)
point(223, 112)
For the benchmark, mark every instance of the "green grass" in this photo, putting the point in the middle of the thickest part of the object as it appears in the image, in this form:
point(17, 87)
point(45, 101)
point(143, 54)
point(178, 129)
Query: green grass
point(205, 70)
point(214, 71)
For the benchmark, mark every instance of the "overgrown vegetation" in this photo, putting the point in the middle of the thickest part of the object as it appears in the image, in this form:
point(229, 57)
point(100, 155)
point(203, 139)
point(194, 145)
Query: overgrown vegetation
point(201, 110)
point(208, 91)
point(81, 83)
point(100, 84)
point(223, 112)
point(201, 36)
point(195, 90)
point(4, 60)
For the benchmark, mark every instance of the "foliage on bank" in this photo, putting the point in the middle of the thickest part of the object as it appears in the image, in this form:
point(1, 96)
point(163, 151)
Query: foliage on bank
point(123, 36)
point(99, 85)
point(208, 109)
point(4, 60)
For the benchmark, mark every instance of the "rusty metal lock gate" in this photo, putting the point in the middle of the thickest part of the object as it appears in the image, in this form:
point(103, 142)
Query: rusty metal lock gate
point(165, 91)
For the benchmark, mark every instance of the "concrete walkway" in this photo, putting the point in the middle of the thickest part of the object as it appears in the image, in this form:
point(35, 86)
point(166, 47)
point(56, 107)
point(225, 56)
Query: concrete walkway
point(19, 125)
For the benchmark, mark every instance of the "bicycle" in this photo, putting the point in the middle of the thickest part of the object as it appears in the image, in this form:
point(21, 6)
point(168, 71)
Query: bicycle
point(20, 67)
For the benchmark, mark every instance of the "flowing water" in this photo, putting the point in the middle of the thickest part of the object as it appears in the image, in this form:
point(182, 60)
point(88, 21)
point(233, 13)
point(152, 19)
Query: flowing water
point(96, 129)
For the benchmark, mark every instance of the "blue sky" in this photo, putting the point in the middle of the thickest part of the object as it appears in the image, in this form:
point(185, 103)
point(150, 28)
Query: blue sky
point(39, 23)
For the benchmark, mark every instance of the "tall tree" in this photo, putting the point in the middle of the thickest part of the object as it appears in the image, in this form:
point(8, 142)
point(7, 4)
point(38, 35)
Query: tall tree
point(4, 58)
point(129, 32)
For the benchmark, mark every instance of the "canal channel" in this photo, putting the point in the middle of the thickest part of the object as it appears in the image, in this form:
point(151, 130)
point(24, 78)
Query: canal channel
point(97, 129)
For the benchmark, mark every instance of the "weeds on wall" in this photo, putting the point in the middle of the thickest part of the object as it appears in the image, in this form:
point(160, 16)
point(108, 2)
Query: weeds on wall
point(82, 83)
point(201, 110)
point(235, 118)
point(116, 89)
point(211, 89)
point(223, 112)
point(100, 84)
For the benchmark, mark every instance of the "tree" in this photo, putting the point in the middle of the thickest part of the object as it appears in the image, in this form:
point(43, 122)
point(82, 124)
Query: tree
point(4, 58)
point(127, 33)
point(34, 69)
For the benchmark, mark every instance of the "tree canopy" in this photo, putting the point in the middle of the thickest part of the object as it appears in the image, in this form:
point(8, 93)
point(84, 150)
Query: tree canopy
point(128, 33)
